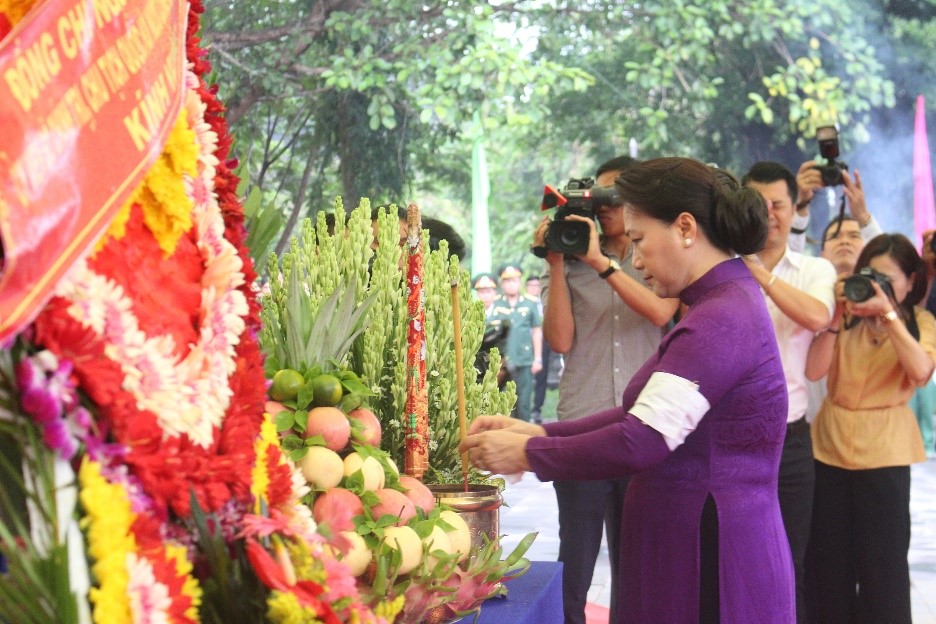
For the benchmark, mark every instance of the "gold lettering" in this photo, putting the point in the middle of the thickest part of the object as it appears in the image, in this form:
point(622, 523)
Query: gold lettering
point(94, 88)
point(106, 10)
point(33, 71)
point(81, 113)
point(139, 133)
point(71, 30)
point(114, 70)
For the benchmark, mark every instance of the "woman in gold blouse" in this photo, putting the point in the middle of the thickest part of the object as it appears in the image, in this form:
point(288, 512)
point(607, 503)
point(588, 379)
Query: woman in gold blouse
point(876, 351)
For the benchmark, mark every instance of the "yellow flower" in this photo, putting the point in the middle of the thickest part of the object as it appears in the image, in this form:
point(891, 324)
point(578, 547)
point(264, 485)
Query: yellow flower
point(191, 587)
point(107, 521)
point(389, 609)
point(284, 608)
point(259, 479)
point(15, 10)
point(305, 565)
point(167, 206)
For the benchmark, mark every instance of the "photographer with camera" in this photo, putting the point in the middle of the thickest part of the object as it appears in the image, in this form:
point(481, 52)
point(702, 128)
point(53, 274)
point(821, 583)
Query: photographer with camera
point(877, 350)
point(813, 176)
point(598, 313)
point(799, 294)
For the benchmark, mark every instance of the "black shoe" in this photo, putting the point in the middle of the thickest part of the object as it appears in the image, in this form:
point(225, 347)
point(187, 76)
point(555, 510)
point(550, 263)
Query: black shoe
point(537, 419)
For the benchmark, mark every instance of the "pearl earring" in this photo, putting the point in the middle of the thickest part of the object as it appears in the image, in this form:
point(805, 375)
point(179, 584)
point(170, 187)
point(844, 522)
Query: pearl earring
point(687, 242)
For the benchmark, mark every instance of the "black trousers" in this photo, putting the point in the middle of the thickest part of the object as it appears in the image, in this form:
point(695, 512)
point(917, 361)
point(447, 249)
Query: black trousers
point(540, 380)
point(795, 490)
point(858, 571)
point(586, 508)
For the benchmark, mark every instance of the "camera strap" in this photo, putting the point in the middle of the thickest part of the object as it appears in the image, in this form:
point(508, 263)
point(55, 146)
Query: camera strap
point(839, 219)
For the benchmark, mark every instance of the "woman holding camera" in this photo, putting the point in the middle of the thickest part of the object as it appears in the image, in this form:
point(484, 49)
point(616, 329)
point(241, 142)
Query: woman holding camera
point(877, 350)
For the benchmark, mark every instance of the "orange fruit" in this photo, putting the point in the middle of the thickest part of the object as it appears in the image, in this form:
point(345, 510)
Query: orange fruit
point(286, 384)
point(326, 391)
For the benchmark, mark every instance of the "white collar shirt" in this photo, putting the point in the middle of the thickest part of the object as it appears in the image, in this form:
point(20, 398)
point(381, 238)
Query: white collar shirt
point(815, 277)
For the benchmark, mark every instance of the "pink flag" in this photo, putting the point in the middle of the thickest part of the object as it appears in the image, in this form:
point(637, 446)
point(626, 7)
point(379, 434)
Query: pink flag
point(924, 210)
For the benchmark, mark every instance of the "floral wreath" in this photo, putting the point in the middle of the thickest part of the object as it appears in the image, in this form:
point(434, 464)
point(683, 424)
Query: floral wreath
point(158, 330)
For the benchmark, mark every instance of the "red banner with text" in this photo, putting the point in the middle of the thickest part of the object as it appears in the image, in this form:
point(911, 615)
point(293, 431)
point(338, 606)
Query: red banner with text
point(89, 90)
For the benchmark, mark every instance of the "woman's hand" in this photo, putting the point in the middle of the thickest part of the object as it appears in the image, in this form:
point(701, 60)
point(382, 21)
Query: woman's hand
point(501, 451)
point(841, 302)
point(497, 422)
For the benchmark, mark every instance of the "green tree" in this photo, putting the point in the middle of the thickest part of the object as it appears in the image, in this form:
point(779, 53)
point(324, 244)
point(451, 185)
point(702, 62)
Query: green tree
point(371, 99)
point(367, 89)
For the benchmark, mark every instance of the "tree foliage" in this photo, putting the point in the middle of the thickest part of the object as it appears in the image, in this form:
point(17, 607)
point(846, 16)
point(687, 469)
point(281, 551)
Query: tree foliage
point(374, 99)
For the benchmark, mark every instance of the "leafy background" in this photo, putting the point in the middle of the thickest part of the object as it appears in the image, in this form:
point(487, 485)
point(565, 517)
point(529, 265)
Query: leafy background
point(375, 98)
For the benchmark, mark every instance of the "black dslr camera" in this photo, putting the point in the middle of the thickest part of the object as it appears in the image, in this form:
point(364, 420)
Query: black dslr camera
point(829, 149)
point(858, 287)
point(579, 197)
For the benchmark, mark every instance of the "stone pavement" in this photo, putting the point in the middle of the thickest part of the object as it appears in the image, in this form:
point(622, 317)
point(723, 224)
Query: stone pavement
point(531, 506)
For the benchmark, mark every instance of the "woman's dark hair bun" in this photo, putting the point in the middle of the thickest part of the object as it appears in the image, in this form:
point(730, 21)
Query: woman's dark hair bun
point(739, 219)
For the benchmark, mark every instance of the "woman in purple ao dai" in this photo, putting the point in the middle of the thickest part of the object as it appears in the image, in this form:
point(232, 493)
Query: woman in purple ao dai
point(703, 421)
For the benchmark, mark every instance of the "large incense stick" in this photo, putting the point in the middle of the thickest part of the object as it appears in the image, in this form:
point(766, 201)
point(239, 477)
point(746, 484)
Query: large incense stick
point(416, 460)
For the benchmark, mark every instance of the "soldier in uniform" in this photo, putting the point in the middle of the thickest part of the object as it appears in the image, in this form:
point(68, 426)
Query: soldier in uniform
point(495, 328)
point(524, 354)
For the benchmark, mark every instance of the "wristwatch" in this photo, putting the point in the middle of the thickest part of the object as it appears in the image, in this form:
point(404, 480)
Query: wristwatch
point(612, 267)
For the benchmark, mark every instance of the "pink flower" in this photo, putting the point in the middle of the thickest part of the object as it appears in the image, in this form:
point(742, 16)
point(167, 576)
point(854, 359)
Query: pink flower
point(57, 437)
point(41, 404)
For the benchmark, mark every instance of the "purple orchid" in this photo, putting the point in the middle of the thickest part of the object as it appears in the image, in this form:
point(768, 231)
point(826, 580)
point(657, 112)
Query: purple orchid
point(47, 394)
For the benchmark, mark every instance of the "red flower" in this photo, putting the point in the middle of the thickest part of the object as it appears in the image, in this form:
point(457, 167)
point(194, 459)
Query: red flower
point(280, 488)
point(272, 575)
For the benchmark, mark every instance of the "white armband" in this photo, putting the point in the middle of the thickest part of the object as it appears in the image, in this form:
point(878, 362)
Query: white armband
point(671, 405)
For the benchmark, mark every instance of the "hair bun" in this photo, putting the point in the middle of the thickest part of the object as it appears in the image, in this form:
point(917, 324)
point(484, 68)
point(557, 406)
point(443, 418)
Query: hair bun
point(739, 218)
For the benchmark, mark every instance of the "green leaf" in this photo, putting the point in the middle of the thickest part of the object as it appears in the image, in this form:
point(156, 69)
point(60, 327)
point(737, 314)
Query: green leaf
point(305, 396)
point(297, 454)
point(292, 441)
point(284, 421)
point(316, 440)
point(301, 420)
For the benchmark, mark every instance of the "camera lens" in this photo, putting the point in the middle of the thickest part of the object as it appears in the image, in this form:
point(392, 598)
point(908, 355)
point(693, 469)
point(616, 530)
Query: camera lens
point(831, 175)
point(858, 288)
point(568, 237)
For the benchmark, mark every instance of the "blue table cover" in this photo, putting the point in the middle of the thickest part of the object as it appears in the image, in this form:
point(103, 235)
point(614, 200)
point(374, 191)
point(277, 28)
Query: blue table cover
point(534, 598)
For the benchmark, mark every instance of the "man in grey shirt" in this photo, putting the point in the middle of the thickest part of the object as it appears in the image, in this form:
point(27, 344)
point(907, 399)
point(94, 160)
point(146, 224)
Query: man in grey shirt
point(598, 313)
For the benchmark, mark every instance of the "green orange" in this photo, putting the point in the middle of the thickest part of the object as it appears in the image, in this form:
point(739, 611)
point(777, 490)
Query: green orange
point(286, 384)
point(326, 391)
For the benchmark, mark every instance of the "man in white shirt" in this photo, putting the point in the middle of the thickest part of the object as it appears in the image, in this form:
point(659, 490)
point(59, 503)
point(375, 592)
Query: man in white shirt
point(799, 290)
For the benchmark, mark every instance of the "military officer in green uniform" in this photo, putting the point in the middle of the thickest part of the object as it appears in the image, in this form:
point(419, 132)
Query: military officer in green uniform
point(524, 352)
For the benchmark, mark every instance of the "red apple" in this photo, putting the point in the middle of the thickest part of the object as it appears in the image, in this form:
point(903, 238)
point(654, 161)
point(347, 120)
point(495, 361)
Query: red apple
point(394, 503)
point(370, 423)
point(421, 496)
point(331, 424)
point(336, 508)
